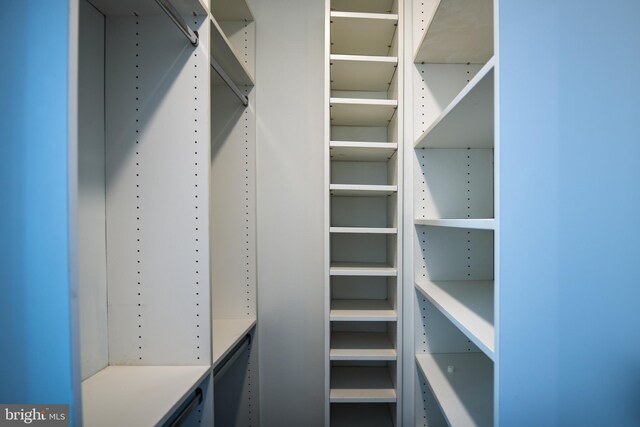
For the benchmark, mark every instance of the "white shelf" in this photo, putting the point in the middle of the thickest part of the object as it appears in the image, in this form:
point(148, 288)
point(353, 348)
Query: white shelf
point(357, 384)
point(467, 304)
point(362, 73)
point(186, 8)
point(358, 190)
point(361, 346)
point(362, 230)
point(470, 223)
point(467, 122)
point(223, 52)
point(372, 6)
point(374, 310)
point(137, 395)
point(231, 10)
point(361, 415)
point(355, 33)
point(459, 32)
point(465, 395)
point(362, 269)
point(227, 333)
point(362, 111)
point(362, 151)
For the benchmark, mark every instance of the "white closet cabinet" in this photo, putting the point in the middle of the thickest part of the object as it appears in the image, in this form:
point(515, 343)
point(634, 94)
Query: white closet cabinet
point(451, 174)
point(363, 141)
point(166, 148)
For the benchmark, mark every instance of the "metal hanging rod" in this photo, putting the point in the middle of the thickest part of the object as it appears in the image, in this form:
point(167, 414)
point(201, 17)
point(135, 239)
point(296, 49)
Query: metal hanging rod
point(225, 364)
point(178, 419)
point(218, 69)
point(173, 14)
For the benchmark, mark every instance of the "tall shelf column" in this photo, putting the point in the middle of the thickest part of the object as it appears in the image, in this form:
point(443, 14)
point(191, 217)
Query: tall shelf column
point(363, 193)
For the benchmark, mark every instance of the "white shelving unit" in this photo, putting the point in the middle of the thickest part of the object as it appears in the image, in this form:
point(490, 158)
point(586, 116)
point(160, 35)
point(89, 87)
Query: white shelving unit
point(363, 149)
point(227, 333)
point(453, 211)
point(462, 384)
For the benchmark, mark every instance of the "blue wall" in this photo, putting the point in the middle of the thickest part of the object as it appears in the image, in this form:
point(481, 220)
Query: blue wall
point(35, 355)
point(569, 349)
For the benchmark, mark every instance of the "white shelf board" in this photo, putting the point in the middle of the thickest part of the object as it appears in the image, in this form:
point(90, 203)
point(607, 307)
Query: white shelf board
point(223, 52)
point(467, 122)
point(363, 230)
point(361, 415)
point(231, 10)
point(361, 346)
point(471, 223)
point(137, 395)
point(458, 32)
point(373, 310)
point(465, 395)
point(373, 6)
point(361, 72)
point(358, 190)
point(354, 33)
point(361, 384)
point(362, 112)
point(227, 333)
point(362, 269)
point(186, 8)
point(362, 151)
point(467, 304)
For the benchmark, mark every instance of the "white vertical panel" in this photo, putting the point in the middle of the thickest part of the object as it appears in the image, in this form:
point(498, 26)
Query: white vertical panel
point(157, 139)
point(242, 35)
point(92, 257)
point(291, 228)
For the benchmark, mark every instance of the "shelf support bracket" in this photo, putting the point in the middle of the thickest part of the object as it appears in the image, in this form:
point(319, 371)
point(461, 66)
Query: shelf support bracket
point(173, 14)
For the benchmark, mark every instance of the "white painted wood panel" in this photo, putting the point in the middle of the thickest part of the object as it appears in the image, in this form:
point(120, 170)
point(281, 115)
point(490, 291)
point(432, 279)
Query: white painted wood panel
point(362, 310)
point(357, 384)
point(362, 151)
point(362, 112)
point(227, 333)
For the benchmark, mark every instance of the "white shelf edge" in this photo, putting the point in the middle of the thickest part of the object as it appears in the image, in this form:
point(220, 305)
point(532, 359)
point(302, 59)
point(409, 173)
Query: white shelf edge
point(363, 58)
point(361, 269)
point(112, 396)
point(363, 187)
point(362, 311)
point(367, 346)
point(360, 144)
point(364, 101)
point(227, 333)
point(470, 223)
point(351, 384)
point(457, 310)
point(363, 15)
point(363, 230)
point(489, 66)
point(461, 392)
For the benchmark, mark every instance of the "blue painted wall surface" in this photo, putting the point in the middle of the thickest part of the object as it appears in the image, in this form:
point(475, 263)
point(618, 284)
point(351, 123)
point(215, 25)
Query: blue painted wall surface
point(570, 197)
point(35, 349)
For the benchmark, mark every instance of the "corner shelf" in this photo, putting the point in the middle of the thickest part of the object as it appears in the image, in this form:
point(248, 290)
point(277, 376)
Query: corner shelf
point(458, 32)
point(362, 269)
point(231, 10)
point(373, 310)
point(227, 333)
point(358, 384)
point(362, 230)
point(362, 73)
point(362, 111)
point(362, 33)
point(465, 395)
point(223, 52)
point(467, 122)
point(361, 346)
point(112, 397)
point(470, 223)
point(468, 305)
point(359, 190)
point(362, 151)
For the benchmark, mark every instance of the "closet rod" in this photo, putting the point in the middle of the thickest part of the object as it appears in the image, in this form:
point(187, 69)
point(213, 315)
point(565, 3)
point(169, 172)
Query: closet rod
point(173, 14)
point(222, 367)
point(218, 69)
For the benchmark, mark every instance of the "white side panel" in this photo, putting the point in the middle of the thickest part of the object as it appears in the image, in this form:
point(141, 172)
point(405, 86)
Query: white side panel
point(242, 36)
point(157, 151)
point(233, 209)
point(92, 256)
point(291, 214)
